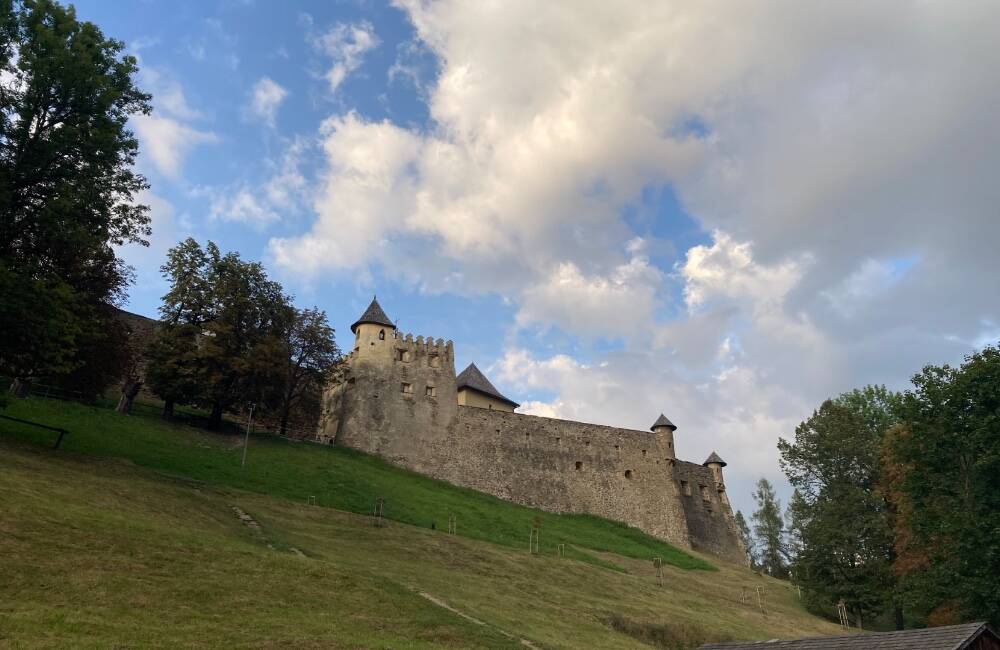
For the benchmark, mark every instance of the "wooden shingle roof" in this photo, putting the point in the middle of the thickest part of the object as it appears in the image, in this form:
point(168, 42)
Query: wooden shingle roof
point(472, 378)
point(948, 637)
point(375, 315)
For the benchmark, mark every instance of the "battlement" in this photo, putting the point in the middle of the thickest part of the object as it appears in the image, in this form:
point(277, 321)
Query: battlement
point(400, 398)
point(420, 347)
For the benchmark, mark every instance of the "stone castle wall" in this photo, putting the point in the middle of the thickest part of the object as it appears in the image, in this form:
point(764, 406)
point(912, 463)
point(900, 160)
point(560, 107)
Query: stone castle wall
point(398, 400)
point(709, 517)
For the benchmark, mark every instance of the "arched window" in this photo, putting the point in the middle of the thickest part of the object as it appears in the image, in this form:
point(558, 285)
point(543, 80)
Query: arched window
point(381, 335)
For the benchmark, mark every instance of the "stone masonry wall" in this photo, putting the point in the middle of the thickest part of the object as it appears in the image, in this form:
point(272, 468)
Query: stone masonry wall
point(709, 517)
point(398, 400)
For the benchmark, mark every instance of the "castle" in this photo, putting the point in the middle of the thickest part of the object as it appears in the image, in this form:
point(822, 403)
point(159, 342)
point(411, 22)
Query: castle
point(398, 397)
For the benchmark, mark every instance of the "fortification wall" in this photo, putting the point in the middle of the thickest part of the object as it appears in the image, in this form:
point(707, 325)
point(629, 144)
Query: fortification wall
point(398, 400)
point(709, 517)
point(564, 466)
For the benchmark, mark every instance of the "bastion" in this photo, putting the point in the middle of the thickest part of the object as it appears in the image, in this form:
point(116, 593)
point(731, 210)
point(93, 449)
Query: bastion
point(398, 397)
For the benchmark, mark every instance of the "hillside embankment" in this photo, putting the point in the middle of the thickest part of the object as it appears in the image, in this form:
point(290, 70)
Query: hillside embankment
point(143, 534)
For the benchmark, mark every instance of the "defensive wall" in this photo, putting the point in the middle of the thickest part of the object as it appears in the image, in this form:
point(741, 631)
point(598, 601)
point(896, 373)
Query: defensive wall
point(397, 399)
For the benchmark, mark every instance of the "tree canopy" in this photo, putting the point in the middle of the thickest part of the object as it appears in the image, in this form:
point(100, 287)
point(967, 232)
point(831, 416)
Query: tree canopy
point(68, 190)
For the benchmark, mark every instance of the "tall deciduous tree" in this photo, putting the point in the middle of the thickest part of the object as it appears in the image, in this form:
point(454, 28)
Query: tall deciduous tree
point(173, 370)
point(842, 522)
point(311, 352)
point(944, 478)
point(67, 186)
point(768, 528)
point(240, 349)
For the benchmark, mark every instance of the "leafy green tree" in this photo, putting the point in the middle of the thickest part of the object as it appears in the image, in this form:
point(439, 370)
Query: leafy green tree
point(743, 529)
point(945, 482)
point(796, 520)
point(310, 354)
point(67, 185)
point(174, 370)
point(842, 523)
point(768, 529)
point(240, 349)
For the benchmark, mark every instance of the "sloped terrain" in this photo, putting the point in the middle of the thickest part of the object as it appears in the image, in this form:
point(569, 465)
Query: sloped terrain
point(97, 551)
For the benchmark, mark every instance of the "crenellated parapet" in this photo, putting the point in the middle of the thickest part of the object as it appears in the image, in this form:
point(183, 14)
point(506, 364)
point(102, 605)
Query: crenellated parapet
point(400, 398)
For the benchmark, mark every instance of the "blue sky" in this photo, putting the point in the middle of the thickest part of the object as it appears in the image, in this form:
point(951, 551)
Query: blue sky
point(724, 213)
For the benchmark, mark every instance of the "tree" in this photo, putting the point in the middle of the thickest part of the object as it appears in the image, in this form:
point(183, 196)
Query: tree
point(944, 479)
point(840, 520)
point(796, 520)
point(311, 352)
point(240, 349)
point(174, 370)
point(768, 528)
point(67, 187)
point(747, 538)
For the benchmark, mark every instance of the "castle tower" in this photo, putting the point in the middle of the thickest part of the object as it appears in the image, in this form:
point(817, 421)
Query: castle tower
point(372, 330)
point(714, 463)
point(665, 428)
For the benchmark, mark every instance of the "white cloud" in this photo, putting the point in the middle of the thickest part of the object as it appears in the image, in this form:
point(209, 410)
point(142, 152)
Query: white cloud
point(345, 44)
point(167, 141)
point(820, 145)
point(240, 205)
point(265, 100)
point(619, 305)
point(167, 136)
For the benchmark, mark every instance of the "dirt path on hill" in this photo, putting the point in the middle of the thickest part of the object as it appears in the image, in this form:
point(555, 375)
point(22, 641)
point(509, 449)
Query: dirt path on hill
point(440, 603)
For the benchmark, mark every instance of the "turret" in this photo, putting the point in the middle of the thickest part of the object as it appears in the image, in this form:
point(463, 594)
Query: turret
point(714, 463)
point(372, 328)
point(665, 428)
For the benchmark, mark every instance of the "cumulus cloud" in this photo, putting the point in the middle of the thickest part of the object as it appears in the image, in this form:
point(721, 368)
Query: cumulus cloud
point(618, 305)
point(167, 141)
point(839, 160)
point(167, 136)
point(265, 100)
point(345, 44)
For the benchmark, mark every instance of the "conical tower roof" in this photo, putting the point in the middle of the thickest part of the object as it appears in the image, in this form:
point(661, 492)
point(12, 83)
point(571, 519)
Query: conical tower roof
point(714, 458)
point(474, 379)
point(373, 315)
point(662, 421)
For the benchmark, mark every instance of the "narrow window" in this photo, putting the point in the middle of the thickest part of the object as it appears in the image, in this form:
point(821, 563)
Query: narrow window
point(643, 453)
point(628, 474)
point(579, 466)
point(407, 388)
point(430, 391)
point(557, 440)
point(686, 488)
point(381, 335)
point(704, 493)
point(617, 448)
point(527, 437)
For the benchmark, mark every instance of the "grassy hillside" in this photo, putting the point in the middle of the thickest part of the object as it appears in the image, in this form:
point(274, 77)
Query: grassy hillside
point(100, 552)
point(338, 477)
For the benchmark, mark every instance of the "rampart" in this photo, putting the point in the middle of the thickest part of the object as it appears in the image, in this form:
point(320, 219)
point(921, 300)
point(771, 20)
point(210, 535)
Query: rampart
point(397, 399)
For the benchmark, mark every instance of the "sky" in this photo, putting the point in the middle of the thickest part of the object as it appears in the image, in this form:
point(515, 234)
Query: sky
point(725, 212)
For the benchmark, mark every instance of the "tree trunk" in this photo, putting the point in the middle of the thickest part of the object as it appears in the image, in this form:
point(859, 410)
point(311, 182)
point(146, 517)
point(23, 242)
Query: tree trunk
point(20, 387)
point(897, 612)
point(215, 419)
point(130, 389)
point(168, 409)
point(284, 422)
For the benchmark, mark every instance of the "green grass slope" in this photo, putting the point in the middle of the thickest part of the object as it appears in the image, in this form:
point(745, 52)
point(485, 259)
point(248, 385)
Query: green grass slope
point(100, 552)
point(338, 478)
